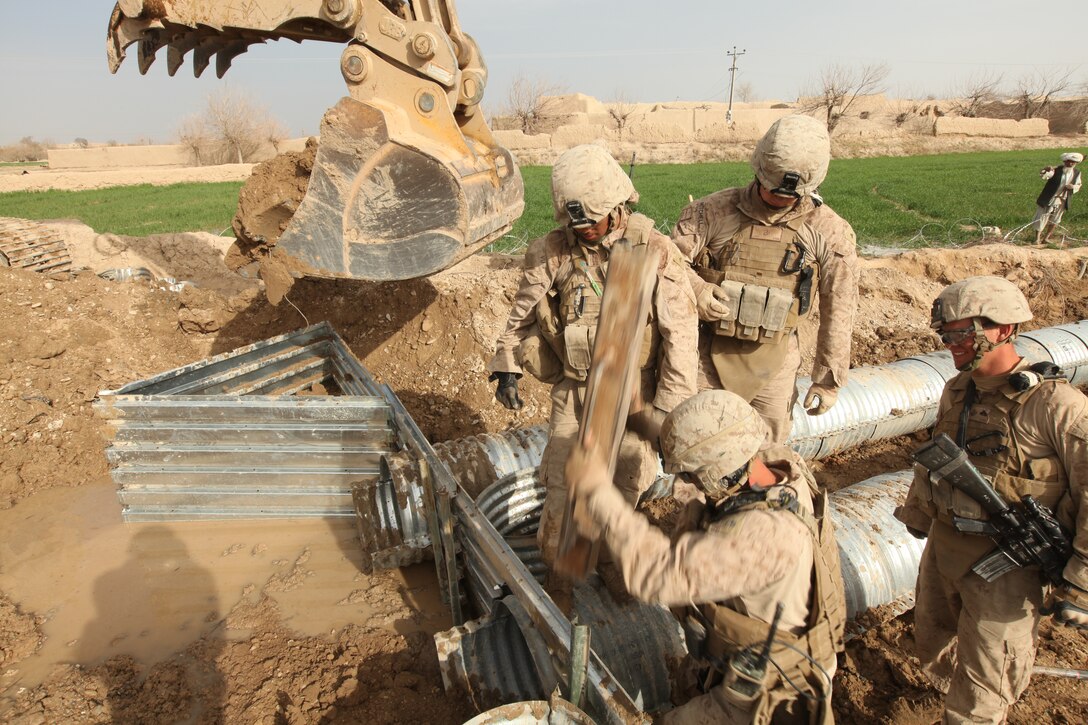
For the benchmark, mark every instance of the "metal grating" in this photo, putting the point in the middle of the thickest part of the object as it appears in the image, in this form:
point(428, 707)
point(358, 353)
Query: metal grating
point(32, 245)
point(227, 437)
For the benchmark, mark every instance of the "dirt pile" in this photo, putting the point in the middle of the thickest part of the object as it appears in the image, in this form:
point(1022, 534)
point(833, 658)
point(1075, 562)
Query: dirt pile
point(243, 659)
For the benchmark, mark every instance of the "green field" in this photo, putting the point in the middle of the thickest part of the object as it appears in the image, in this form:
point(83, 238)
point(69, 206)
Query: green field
point(134, 210)
point(900, 201)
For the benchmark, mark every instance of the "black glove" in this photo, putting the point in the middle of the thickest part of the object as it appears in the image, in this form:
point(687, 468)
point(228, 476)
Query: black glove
point(507, 390)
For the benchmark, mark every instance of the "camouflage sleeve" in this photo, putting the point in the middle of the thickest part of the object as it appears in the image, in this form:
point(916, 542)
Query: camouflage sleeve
point(836, 253)
point(541, 266)
point(678, 324)
point(689, 234)
point(1067, 415)
point(699, 566)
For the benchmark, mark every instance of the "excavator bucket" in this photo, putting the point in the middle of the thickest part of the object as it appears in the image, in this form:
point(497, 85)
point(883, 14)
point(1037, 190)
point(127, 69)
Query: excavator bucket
point(379, 209)
point(407, 178)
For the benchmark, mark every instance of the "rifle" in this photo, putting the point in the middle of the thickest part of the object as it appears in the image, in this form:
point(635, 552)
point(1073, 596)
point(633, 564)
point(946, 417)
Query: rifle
point(1026, 533)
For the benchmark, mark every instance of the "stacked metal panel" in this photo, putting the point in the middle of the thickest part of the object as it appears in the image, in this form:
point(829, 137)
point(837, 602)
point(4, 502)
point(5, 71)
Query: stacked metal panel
point(231, 437)
point(32, 245)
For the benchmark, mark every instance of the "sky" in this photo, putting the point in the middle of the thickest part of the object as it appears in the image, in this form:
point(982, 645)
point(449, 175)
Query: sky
point(55, 85)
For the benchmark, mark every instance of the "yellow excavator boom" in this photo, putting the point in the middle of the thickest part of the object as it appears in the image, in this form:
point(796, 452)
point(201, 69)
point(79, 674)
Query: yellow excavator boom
point(408, 178)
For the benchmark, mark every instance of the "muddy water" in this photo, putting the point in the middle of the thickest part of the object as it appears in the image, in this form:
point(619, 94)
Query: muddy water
point(149, 589)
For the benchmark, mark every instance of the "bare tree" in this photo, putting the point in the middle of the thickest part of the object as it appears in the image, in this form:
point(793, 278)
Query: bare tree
point(975, 92)
point(839, 87)
point(193, 135)
point(26, 150)
point(528, 101)
point(745, 92)
point(231, 129)
point(621, 110)
point(1036, 90)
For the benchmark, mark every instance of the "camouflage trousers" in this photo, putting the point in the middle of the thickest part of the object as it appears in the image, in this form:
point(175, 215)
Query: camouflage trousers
point(636, 467)
point(774, 401)
point(976, 639)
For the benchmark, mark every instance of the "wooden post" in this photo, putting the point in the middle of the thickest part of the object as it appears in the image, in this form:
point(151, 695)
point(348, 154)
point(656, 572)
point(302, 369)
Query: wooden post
point(613, 375)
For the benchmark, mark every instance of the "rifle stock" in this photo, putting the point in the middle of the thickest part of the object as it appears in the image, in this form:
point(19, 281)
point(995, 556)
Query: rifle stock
point(1026, 534)
point(943, 458)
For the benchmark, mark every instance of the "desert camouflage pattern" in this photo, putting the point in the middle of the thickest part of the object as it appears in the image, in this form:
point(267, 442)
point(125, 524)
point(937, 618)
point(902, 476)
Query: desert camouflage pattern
point(590, 175)
point(750, 561)
point(636, 463)
point(795, 143)
point(711, 223)
point(550, 262)
point(711, 435)
point(978, 638)
point(747, 562)
point(993, 297)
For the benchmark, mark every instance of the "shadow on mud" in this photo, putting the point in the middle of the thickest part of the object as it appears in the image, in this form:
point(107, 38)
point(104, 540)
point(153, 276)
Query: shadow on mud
point(156, 596)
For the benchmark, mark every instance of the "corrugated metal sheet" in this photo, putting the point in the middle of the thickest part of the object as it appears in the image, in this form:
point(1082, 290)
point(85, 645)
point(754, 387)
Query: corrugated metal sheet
point(901, 397)
point(878, 555)
point(635, 640)
point(226, 438)
point(31, 245)
point(502, 653)
point(392, 520)
point(490, 660)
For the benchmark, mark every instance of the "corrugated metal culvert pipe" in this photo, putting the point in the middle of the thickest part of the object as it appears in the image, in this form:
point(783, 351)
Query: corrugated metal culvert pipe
point(878, 402)
point(901, 397)
point(878, 555)
point(879, 560)
point(392, 523)
point(636, 641)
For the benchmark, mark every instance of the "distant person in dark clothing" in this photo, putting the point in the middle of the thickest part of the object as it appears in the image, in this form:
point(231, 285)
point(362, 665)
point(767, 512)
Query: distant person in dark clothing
point(1061, 183)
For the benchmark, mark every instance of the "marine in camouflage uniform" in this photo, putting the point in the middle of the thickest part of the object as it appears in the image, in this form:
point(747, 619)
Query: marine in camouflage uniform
point(760, 540)
point(761, 256)
point(1026, 430)
point(550, 329)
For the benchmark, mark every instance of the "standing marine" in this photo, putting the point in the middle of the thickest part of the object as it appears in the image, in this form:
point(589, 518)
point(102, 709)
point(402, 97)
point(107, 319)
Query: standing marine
point(551, 327)
point(764, 256)
point(1025, 429)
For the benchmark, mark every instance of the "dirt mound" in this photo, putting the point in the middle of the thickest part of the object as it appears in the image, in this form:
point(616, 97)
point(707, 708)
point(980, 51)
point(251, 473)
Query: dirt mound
point(63, 339)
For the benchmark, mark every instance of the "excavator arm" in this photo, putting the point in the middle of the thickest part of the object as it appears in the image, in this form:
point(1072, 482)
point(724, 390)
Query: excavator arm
point(407, 179)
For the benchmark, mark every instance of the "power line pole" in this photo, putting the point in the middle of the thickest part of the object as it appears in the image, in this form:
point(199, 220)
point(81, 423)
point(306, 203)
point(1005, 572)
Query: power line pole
point(732, 77)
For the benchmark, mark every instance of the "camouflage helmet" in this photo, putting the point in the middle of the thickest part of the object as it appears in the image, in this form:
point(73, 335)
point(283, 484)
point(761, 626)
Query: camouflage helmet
point(589, 176)
point(994, 298)
point(711, 435)
point(792, 157)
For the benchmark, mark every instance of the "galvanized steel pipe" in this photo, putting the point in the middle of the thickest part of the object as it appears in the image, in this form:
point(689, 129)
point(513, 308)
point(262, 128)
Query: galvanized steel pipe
point(879, 557)
point(901, 397)
point(879, 560)
point(392, 522)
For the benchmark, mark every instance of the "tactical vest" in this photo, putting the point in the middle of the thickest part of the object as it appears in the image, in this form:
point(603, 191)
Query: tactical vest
point(769, 278)
point(579, 306)
point(992, 446)
point(729, 631)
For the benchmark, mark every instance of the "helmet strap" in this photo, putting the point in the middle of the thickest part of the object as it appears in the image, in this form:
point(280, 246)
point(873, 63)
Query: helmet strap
point(984, 346)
